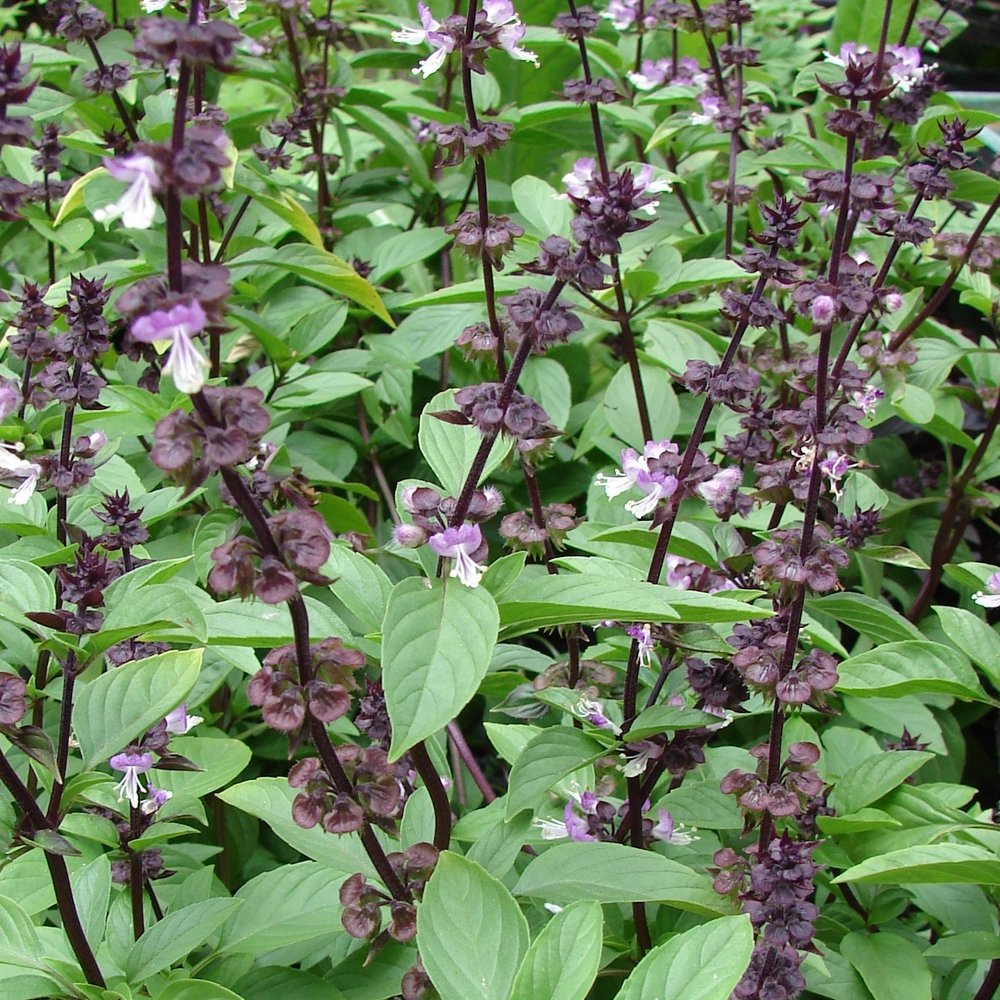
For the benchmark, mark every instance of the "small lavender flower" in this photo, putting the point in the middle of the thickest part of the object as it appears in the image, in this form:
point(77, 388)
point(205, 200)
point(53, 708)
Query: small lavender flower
point(644, 640)
point(671, 833)
point(409, 536)
point(136, 206)
point(458, 544)
point(156, 799)
point(835, 466)
point(593, 712)
point(443, 44)
point(622, 13)
point(657, 485)
point(718, 491)
point(12, 466)
point(133, 763)
point(866, 401)
point(185, 362)
point(710, 110)
point(578, 180)
point(893, 302)
point(990, 598)
point(906, 71)
point(500, 14)
point(179, 722)
point(656, 74)
point(847, 52)
point(823, 309)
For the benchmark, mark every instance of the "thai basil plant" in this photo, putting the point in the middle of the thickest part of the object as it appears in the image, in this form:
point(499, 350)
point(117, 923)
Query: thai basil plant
point(496, 503)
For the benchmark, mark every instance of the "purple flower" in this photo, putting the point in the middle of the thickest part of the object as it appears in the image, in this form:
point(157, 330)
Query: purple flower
point(10, 400)
point(992, 598)
point(644, 640)
point(657, 485)
point(622, 13)
point(430, 33)
point(458, 544)
point(905, 70)
point(670, 833)
point(179, 722)
point(156, 799)
point(136, 206)
point(718, 491)
point(835, 466)
point(133, 763)
point(500, 14)
point(893, 302)
point(593, 712)
point(577, 827)
point(578, 180)
point(867, 400)
point(710, 110)
point(185, 362)
point(656, 74)
point(848, 51)
point(823, 309)
point(409, 536)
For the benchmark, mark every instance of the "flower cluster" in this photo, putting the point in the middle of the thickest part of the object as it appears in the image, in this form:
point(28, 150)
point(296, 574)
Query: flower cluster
point(363, 903)
point(191, 451)
point(303, 548)
point(775, 890)
point(521, 532)
point(375, 795)
point(797, 782)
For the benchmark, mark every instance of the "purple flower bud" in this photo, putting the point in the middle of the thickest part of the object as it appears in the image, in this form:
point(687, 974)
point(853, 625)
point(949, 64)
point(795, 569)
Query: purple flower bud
point(409, 536)
point(823, 309)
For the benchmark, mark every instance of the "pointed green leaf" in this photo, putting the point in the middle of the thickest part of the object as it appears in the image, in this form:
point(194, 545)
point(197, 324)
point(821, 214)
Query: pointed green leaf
point(111, 711)
point(549, 756)
point(563, 960)
point(931, 863)
point(704, 963)
point(912, 667)
point(892, 967)
point(611, 873)
point(472, 933)
point(437, 641)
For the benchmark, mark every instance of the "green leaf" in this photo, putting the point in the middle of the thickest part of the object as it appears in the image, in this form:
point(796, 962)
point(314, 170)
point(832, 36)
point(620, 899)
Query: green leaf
point(196, 989)
point(360, 584)
point(220, 760)
point(703, 271)
point(563, 960)
point(912, 667)
point(451, 448)
point(622, 411)
point(561, 600)
point(284, 906)
point(406, 248)
point(285, 207)
point(704, 963)
point(273, 982)
point(397, 141)
point(472, 933)
point(876, 776)
point(176, 936)
point(857, 822)
point(318, 389)
point(318, 266)
point(498, 848)
point(667, 718)
point(270, 800)
point(916, 405)
point(19, 943)
point(549, 756)
point(892, 967)
point(545, 213)
point(611, 873)
point(974, 638)
point(437, 641)
point(92, 892)
point(111, 711)
point(977, 945)
point(866, 615)
point(546, 381)
point(928, 863)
